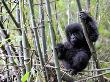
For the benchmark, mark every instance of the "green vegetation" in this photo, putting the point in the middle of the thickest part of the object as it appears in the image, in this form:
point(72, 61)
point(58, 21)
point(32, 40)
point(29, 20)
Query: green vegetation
point(30, 29)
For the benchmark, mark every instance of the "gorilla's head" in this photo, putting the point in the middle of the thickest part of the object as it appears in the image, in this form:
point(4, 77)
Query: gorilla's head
point(74, 33)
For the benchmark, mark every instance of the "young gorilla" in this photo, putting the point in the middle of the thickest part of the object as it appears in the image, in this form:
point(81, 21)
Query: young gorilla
point(75, 53)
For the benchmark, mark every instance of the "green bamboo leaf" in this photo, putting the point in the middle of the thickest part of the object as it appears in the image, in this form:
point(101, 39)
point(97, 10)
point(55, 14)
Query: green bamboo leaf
point(25, 77)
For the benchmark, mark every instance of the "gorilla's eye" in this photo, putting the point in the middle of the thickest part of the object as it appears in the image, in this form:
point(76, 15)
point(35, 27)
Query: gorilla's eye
point(78, 35)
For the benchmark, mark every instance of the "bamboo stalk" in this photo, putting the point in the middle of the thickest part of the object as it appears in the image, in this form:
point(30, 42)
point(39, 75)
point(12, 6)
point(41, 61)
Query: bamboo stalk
point(44, 45)
point(1, 9)
point(9, 12)
point(69, 11)
point(25, 43)
point(6, 59)
point(21, 58)
point(90, 44)
point(97, 9)
point(8, 50)
point(52, 35)
point(42, 27)
point(7, 36)
point(26, 52)
point(36, 38)
point(93, 77)
point(58, 26)
point(88, 5)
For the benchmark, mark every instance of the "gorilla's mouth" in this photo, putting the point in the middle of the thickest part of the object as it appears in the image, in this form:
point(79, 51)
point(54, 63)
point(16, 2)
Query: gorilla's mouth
point(73, 42)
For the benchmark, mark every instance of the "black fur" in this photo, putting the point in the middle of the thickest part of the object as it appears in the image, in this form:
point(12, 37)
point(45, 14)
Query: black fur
point(75, 53)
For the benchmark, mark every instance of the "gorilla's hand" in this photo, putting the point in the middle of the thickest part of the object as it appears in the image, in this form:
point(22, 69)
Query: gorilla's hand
point(60, 49)
point(84, 16)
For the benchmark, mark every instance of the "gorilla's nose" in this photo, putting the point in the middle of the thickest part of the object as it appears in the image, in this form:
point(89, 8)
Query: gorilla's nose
point(73, 37)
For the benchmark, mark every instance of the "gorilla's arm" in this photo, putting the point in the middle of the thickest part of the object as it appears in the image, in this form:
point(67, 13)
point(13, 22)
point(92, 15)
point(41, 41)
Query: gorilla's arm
point(93, 31)
point(90, 25)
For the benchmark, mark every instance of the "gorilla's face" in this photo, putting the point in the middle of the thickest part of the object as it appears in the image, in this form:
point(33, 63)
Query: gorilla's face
point(76, 37)
point(73, 39)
